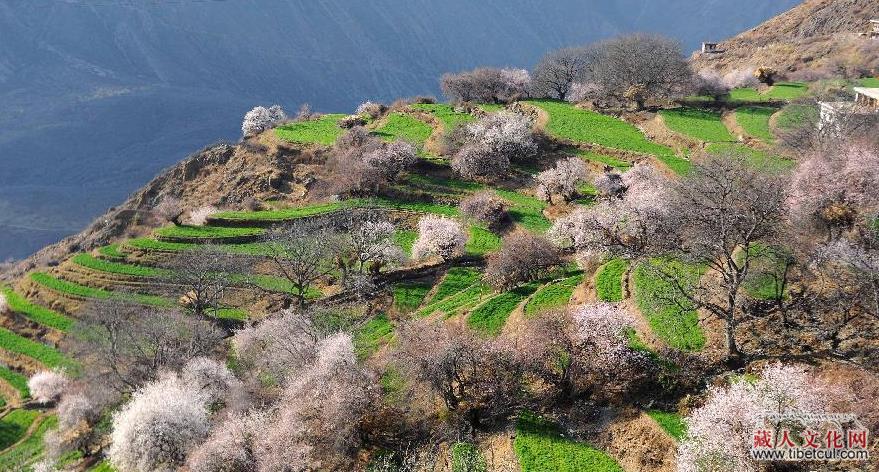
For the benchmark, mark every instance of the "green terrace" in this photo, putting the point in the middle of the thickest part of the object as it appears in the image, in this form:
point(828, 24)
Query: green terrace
point(14, 425)
point(279, 215)
point(27, 452)
point(585, 126)
point(71, 289)
point(609, 280)
point(460, 289)
point(553, 295)
point(696, 123)
point(45, 355)
point(670, 422)
point(374, 334)
point(408, 296)
point(490, 317)
point(782, 91)
point(541, 447)
point(755, 121)
point(526, 210)
point(16, 380)
point(406, 127)
point(324, 130)
point(671, 317)
point(186, 233)
point(445, 113)
point(592, 156)
point(36, 313)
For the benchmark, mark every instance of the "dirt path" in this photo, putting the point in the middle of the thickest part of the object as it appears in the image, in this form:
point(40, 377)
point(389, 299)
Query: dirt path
point(27, 434)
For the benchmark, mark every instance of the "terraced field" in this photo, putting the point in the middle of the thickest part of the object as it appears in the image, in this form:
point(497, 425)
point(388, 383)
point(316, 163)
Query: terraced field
point(585, 126)
point(14, 425)
point(526, 210)
point(217, 234)
point(461, 289)
point(490, 317)
point(445, 113)
point(671, 317)
point(371, 336)
point(36, 313)
point(755, 122)
point(409, 296)
point(323, 131)
point(406, 127)
point(45, 355)
point(782, 91)
point(29, 451)
point(552, 295)
point(592, 156)
point(760, 159)
point(609, 280)
point(700, 124)
point(540, 447)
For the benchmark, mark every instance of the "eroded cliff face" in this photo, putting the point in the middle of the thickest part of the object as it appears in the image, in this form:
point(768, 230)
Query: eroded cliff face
point(816, 35)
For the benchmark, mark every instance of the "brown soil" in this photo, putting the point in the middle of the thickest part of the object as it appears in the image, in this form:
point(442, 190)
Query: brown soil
point(639, 444)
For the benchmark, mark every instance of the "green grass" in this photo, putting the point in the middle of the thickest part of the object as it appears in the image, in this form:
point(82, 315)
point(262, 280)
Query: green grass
point(101, 265)
point(553, 295)
point(405, 238)
point(670, 422)
point(700, 124)
point(466, 457)
point(207, 232)
point(490, 317)
point(283, 214)
point(446, 114)
point(83, 291)
point(36, 313)
point(781, 91)
point(111, 252)
point(456, 280)
point(482, 241)
point(872, 82)
point(14, 425)
point(526, 210)
point(373, 335)
point(147, 244)
point(421, 207)
point(755, 122)
point(796, 115)
point(458, 300)
point(30, 450)
point(103, 466)
point(18, 381)
point(757, 158)
point(42, 353)
point(609, 280)
point(604, 159)
point(678, 326)
point(441, 186)
point(585, 126)
point(406, 127)
point(408, 296)
point(324, 130)
point(541, 448)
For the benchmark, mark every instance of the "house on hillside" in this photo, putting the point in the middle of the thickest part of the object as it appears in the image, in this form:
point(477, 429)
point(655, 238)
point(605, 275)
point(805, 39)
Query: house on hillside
point(711, 48)
point(874, 31)
point(865, 104)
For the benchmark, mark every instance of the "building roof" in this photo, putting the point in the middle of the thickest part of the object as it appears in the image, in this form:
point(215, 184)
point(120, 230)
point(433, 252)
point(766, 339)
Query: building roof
point(869, 92)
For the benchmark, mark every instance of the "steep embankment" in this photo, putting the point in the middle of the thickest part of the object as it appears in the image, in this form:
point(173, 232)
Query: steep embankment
point(816, 35)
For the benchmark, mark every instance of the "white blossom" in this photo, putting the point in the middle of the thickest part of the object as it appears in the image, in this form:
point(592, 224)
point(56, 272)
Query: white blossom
point(562, 179)
point(47, 386)
point(154, 431)
point(440, 237)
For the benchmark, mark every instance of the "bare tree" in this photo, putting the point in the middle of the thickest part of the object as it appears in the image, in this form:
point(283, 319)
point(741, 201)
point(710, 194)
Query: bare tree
point(523, 257)
point(485, 207)
point(476, 378)
point(303, 252)
point(204, 275)
point(486, 85)
point(129, 344)
point(727, 214)
point(641, 67)
point(557, 71)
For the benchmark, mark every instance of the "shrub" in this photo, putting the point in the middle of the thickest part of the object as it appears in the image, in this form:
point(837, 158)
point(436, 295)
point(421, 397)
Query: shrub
point(47, 386)
point(391, 159)
point(485, 207)
point(371, 109)
point(523, 257)
point(199, 216)
point(486, 85)
point(156, 429)
point(504, 133)
point(260, 119)
point(439, 236)
point(231, 446)
point(352, 121)
point(562, 180)
point(480, 163)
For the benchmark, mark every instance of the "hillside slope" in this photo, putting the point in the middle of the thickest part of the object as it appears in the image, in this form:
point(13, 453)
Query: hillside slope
point(99, 96)
point(818, 35)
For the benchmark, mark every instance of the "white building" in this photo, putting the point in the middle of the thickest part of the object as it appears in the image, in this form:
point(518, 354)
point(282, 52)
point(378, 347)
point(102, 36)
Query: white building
point(866, 103)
